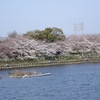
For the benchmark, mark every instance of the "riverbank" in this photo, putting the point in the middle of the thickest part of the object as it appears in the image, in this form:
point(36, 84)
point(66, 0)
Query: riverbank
point(47, 63)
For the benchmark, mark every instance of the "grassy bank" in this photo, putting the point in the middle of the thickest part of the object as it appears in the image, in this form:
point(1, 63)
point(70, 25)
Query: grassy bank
point(26, 64)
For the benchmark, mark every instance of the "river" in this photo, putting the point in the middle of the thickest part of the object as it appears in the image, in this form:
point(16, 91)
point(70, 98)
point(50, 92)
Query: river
point(66, 82)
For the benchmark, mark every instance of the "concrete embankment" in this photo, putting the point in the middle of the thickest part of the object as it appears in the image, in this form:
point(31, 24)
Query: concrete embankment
point(51, 63)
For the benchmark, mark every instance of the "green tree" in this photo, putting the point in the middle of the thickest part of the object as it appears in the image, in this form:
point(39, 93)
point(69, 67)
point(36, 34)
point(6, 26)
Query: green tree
point(48, 34)
point(59, 33)
point(51, 38)
point(29, 34)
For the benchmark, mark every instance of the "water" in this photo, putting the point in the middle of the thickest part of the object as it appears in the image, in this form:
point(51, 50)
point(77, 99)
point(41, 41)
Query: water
point(66, 82)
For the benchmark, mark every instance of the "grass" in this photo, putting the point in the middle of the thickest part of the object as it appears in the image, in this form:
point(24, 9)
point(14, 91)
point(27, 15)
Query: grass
point(24, 63)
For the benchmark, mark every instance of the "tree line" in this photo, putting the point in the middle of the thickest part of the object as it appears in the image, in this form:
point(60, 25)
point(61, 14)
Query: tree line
point(48, 34)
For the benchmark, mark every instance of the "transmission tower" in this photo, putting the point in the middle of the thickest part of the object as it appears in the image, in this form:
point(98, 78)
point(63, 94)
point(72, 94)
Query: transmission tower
point(79, 27)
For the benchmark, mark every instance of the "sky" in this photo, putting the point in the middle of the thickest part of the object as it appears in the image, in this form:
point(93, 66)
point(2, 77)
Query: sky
point(26, 15)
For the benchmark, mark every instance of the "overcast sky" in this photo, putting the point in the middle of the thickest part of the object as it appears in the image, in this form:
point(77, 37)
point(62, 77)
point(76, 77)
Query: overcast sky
point(25, 15)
